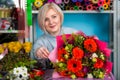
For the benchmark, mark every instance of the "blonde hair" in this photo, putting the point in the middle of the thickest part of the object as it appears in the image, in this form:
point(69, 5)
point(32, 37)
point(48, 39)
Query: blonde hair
point(43, 10)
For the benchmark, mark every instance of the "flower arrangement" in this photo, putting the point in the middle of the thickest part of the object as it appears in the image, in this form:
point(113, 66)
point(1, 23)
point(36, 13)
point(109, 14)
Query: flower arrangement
point(15, 54)
point(81, 56)
point(15, 59)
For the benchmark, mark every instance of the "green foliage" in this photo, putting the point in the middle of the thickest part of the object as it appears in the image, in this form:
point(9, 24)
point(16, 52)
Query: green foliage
point(12, 60)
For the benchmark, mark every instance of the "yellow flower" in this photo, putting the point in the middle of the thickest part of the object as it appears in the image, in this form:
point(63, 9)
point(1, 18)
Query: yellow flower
point(1, 49)
point(15, 49)
point(27, 46)
point(14, 46)
point(27, 49)
point(18, 45)
point(5, 45)
point(10, 46)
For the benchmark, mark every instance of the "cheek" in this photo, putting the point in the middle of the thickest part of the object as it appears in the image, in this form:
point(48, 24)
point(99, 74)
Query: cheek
point(58, 21)
point(46, 24)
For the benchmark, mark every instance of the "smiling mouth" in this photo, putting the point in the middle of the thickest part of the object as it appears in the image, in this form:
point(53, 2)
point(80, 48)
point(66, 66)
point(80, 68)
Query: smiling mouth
point(52, 26)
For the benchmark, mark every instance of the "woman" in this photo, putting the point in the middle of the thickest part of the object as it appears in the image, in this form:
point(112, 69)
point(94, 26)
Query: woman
point(50, 18)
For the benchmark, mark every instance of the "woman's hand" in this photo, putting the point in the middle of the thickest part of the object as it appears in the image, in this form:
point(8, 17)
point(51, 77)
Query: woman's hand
point(42, 52)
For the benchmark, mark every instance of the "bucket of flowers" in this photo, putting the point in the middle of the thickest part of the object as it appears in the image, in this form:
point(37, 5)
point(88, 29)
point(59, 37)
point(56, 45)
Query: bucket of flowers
point(15, 60)
point(78, 56)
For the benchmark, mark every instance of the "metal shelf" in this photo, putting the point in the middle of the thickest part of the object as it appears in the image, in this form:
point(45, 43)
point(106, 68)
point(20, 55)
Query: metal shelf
point(80, 11)
point(12, 31)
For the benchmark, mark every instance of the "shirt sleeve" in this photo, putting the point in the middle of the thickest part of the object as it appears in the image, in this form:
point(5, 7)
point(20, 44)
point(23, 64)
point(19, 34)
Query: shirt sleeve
point(38, 43)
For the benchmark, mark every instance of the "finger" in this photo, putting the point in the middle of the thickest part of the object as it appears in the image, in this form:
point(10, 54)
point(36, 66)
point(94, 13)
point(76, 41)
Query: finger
point(42, 52)
point(39, 53)
point(44, 56)
point(46, 52)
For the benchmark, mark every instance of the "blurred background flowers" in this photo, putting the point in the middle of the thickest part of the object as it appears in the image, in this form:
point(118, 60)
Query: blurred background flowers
point(15, 54)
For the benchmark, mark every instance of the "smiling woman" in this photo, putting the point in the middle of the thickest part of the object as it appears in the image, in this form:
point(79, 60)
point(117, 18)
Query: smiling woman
point(50, 18)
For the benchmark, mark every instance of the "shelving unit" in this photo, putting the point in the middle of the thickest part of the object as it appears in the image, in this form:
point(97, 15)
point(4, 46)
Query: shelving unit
point(68, 11)
point(11, 12)
point(115, 32)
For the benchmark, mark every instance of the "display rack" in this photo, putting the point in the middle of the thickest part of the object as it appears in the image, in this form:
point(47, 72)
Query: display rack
point(12, 18)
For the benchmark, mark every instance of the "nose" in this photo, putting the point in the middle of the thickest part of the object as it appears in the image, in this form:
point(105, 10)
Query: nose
point(50, 21)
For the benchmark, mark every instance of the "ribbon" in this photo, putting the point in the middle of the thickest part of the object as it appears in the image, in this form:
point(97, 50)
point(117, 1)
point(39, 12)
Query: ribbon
point(107, 2)
point(80, 0)
point(71, 8)
point(66, 7)
point(38, 3)
point(105, 6)
point(74, 1)
point(76, 8)
point(80, 7)
point(49, 1)
point(95, 1)
point(58, 1)
point(77, 3)
point(100, 3)
point(89, 7)
point(101, 8)
point(62, 5)
point(66, 1)
point(95, 8)
point(87, 2)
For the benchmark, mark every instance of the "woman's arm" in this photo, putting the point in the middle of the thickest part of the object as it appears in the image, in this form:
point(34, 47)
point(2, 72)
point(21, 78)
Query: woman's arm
point(39, 50)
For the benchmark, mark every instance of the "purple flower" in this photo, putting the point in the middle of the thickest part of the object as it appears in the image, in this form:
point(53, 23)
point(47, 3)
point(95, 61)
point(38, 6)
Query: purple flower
point(85, 69)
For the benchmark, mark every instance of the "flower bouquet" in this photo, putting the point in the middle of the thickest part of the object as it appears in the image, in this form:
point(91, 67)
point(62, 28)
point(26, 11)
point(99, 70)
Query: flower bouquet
point(16, 61)
point(80, 56)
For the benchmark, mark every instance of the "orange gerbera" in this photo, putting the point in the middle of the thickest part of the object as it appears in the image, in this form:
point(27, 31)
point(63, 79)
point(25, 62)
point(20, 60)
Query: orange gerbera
point(74, 65)
point(61, 53)
point(90, 45)
point(77, 53)
point(99, 63)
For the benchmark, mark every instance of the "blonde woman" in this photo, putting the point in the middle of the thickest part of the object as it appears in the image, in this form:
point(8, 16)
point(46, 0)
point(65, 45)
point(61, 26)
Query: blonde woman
point(50, 18)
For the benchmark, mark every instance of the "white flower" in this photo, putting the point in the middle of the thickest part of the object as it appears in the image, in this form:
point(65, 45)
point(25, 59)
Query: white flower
point(89, 75)
point(16, 71)
point(94, 55)
point(20, 73)
point(24, 69)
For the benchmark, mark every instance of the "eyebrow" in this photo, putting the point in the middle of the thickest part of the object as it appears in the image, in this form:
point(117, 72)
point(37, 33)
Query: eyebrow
point(52, 15)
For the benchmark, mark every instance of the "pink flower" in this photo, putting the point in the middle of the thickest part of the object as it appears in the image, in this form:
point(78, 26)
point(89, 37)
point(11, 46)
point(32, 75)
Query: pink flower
point(101, 45)
point(108, 67)
point(107, 52)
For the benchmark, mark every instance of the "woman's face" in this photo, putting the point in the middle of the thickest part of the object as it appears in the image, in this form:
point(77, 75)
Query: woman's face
point(52, 22)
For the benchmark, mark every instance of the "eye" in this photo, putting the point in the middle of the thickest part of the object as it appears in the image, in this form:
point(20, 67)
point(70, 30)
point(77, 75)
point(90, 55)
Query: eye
point(54, 16)
point(46, 19)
